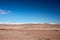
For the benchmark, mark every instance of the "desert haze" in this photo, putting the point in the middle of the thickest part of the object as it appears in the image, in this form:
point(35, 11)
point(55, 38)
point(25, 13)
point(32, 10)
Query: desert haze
point(30, 32)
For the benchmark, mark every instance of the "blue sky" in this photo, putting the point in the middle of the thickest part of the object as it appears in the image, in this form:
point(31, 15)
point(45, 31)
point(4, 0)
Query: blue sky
point(30, 11)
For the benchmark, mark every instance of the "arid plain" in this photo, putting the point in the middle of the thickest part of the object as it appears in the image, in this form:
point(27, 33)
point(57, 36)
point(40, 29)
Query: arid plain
point(30, 32)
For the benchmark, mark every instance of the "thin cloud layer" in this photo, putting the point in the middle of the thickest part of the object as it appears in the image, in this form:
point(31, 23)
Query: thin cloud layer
point(25, 23)
point(4, 11)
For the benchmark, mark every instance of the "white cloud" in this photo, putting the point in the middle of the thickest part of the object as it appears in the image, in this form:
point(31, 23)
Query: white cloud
point(4, 11)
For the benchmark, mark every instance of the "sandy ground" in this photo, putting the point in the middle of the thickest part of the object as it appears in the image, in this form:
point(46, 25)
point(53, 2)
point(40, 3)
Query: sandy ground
point(30, 35)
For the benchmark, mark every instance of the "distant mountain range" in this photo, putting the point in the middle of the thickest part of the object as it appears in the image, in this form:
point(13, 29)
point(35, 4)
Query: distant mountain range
point(30, 25)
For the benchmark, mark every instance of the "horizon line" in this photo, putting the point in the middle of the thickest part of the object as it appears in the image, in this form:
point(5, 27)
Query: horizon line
point(26, 23)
